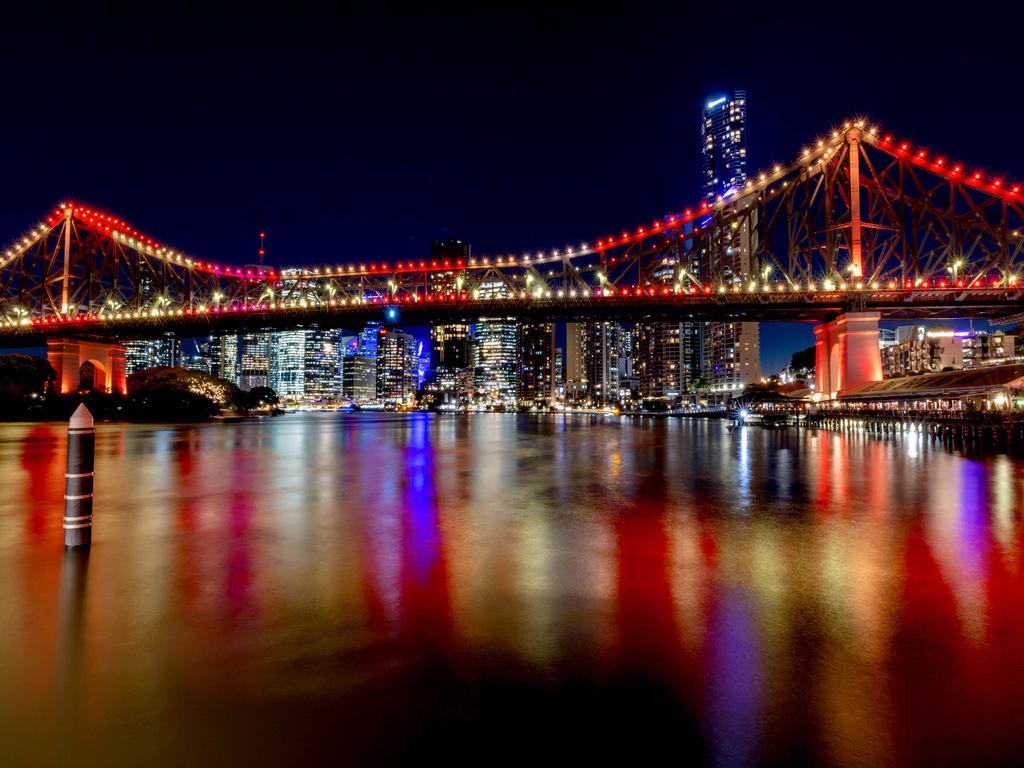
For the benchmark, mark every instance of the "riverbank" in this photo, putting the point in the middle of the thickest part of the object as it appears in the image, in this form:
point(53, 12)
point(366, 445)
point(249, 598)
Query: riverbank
point(1001, 430)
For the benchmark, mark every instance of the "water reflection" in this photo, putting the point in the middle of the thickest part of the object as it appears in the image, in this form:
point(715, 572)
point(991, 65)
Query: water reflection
point(393, 583)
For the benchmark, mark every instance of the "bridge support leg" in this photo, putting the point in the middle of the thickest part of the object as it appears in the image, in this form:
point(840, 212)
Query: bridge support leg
point(847, 353)
point(67, 356)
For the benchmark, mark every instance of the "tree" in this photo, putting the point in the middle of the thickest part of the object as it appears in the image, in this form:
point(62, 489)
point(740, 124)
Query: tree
point(699, 384)
point(804, 360)
point(24, 375)
point(170, 405)
point(220, 392)
point(260, 397)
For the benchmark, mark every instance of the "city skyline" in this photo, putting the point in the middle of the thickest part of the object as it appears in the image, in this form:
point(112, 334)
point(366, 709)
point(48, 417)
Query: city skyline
point(514, 383)
point(403, 173)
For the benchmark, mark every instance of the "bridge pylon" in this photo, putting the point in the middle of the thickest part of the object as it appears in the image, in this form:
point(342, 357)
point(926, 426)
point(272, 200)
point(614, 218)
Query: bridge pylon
point(68, 356)
point(847, 353)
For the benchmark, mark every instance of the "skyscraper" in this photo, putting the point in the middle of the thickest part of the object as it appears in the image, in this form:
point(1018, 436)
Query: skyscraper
point(449, 343)
point(730, 351)
point(287, 364)
point(449, 346)
point(495, 351)
point(139, 355)
point(535, 385)
point(396, 366)
point(575, 374)
point(321, 371)
point(657, 352)
point(359, 378)
point(723, 134)
point(304, 365)
point(602, 349)
point(254, 351)
point(368, 339)
point(223, 352)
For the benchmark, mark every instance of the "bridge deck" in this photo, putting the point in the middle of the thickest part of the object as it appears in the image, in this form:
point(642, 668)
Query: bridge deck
point(999, 304)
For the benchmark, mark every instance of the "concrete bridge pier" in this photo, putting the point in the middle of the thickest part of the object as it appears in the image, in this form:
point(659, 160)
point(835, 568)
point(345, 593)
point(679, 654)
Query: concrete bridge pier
point(846, 353)
point(69, 356)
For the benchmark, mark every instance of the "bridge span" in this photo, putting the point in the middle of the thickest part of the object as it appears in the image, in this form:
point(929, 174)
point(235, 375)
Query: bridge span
point(860, 224)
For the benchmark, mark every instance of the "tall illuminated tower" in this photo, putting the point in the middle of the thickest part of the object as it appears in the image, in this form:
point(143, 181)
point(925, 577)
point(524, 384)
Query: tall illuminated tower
point(495, 359)
point(536, 381)
point(730, 351)
point(396, 366)
point(723, 133)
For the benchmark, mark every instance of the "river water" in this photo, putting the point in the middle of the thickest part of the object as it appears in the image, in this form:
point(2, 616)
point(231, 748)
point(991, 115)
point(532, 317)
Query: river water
point(383, 588)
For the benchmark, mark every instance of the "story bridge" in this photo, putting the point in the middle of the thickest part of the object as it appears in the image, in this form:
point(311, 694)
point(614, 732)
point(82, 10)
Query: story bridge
point(861, 226)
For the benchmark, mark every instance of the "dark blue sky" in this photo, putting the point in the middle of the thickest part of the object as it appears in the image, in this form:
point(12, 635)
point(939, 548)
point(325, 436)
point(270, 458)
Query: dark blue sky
point(353, 135)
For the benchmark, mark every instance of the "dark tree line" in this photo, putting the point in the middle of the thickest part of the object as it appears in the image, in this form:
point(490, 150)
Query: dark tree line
point(28, 392)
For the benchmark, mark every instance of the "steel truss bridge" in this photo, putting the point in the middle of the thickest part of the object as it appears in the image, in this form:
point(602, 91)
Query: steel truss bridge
point(860, 221)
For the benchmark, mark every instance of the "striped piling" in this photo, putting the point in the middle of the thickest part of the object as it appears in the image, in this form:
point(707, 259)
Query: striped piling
point(78, 479)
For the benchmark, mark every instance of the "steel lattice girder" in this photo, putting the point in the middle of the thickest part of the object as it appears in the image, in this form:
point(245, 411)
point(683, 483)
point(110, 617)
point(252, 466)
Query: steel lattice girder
point(855, 199)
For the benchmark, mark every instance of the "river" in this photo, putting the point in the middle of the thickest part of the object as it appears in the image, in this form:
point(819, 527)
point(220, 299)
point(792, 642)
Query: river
point(383, 588)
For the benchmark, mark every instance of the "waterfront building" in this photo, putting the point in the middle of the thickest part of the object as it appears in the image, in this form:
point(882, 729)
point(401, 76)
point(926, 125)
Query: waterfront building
point(536, 382)
point(731, 358)
point(321, 366)
point(691, 355)
point(657, 364)
point(348, 343)
point(449, 360)
point(495, 351)
point(602, 355)
point(729, 352)
point(449, 346)
point(575, 375)
point(287, 360)
point(359, 378)
point(223, 356)
point(992, 387)
point(254, 355)
point(396, 366)
point(656, 359)
point(982, 349)
point(923, 349)
point(139, 355)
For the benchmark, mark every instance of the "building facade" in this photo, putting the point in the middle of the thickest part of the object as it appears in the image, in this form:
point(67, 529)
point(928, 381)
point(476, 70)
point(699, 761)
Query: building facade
point(603, 355)
point(495, 363)
point(287, 364)
point(223, 356)
point(983, 349)
point(139, 355)
point(537, 380)
point(923, 349)
point(449, 346)
point(359, 379)
point(321, 365)
point(396, 367)
point(254, 360)
point(575, 376)
point(367, 342)
point(723, 134)
point(730, 352)
point(656, 359)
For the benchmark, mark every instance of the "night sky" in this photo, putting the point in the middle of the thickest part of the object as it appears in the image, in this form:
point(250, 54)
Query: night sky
point(365, 134)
